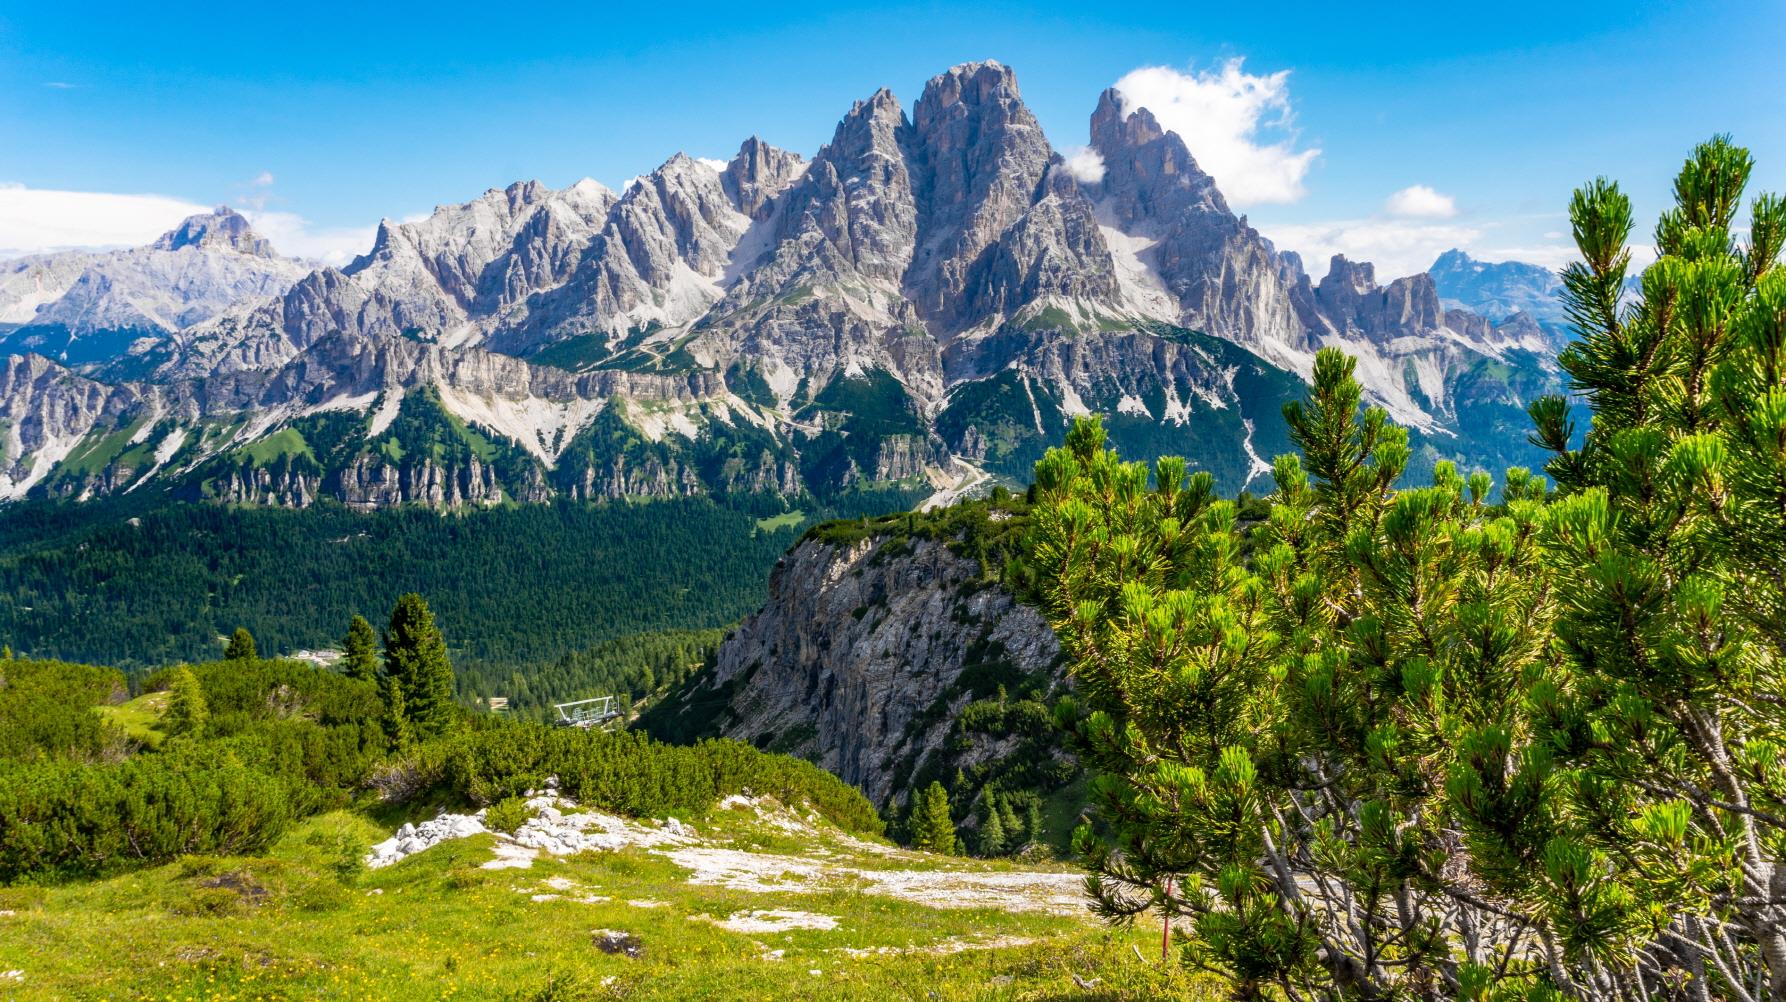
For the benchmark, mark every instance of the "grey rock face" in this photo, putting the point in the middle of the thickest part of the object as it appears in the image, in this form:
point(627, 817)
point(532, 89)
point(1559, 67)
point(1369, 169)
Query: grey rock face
point(45, 411)
point(1351, 299)
point(758, 174)
point(1219, 274)
point(223, 228)
point(852, 646)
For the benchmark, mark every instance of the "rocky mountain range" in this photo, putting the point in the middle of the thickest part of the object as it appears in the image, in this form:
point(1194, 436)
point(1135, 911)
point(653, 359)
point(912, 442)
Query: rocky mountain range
point(921, 305)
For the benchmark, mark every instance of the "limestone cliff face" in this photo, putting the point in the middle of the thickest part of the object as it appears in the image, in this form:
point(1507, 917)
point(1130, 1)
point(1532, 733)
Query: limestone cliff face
point(856, 661)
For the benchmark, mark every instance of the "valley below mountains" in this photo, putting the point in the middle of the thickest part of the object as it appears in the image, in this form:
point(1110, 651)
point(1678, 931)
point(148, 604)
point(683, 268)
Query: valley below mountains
point(923, 304)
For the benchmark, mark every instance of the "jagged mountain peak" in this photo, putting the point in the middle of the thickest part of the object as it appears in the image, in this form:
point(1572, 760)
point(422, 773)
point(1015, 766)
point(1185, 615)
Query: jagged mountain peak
point(1357, 277)
point(979, 82)
point(758, 173)
point(1149, 172)
point(222, 227)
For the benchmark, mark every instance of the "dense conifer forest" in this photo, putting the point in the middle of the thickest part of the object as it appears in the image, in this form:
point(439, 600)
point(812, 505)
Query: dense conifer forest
point(138, 584)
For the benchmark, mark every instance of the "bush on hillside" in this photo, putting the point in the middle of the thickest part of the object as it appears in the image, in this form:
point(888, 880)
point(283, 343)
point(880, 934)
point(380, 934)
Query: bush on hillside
point(64, 818)
point(46, 708)
point(630, 773)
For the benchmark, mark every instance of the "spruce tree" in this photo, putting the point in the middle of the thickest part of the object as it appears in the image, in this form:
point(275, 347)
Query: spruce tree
point(929, 826)
point(917, 819)
point(396, 717)
point(187, 712)
point(241, 646)
point(992, 828)
point(416, 656)
point(1032, 822)
point(1013, 828)
point(939, 826)
point(360, 659)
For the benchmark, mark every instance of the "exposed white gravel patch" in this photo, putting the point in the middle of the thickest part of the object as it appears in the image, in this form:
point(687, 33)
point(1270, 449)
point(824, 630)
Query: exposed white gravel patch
point(772, 920)
point(561, 828)
point(1014, 891)
point(558, 828)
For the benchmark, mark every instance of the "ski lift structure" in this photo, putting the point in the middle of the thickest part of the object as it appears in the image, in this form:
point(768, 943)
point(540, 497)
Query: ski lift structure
point(588, 714)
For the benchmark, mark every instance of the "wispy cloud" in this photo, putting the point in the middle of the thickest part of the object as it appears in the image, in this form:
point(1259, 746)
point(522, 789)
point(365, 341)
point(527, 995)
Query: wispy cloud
point(42, 219)
point(1396, 246)
point(60, 85)
point(39, 220)
point(1238, 125)
point(295, 236)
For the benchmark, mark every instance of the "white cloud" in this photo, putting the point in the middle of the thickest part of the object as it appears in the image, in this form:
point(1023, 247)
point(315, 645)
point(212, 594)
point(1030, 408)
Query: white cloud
point(60, 85)
point(1085, 164)
point(1237, 125)
point(1397, 247)
point(262, 180)
point(717, 166)
point(1420, 202)
point(294, 236)
point(41, 219)
point(37, 220)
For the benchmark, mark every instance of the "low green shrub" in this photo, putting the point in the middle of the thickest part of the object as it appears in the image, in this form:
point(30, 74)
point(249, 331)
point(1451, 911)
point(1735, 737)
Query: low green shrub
point(65, 818)
point(508, 814)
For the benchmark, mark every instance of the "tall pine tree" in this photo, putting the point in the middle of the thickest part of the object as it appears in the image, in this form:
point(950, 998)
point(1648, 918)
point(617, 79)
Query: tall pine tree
point(416, 656)
point(992, 828)
point(396, 717)
point(187, 712)
point(361, 647)
point(931, 827)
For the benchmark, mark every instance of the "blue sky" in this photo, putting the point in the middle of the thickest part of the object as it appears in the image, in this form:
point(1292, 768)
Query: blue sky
point(323, 118)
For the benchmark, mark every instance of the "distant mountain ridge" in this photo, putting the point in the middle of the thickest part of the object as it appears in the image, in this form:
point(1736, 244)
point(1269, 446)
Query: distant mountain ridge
point(85, 308)
point(925, 302)
point(1498, 290)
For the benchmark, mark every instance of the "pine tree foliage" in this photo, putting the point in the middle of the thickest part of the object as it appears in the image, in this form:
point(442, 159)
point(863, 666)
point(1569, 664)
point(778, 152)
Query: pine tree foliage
point(360, 650)
point(930, 826)
point(1434, 743)
point(187, 711)
point(416, 657)
point(396, 714)
point(993, 841)
point(241, 646)
point(1665, 718)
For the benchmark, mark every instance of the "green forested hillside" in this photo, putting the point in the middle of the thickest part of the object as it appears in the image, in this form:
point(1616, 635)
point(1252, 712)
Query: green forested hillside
point(633, 666)
point(109, 583)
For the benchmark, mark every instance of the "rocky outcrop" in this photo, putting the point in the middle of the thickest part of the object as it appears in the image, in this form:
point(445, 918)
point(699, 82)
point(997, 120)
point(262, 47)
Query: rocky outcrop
point(624, 477)
point(1352, 301)
point(856, 659)
point(285, 486)
point(369, 482)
